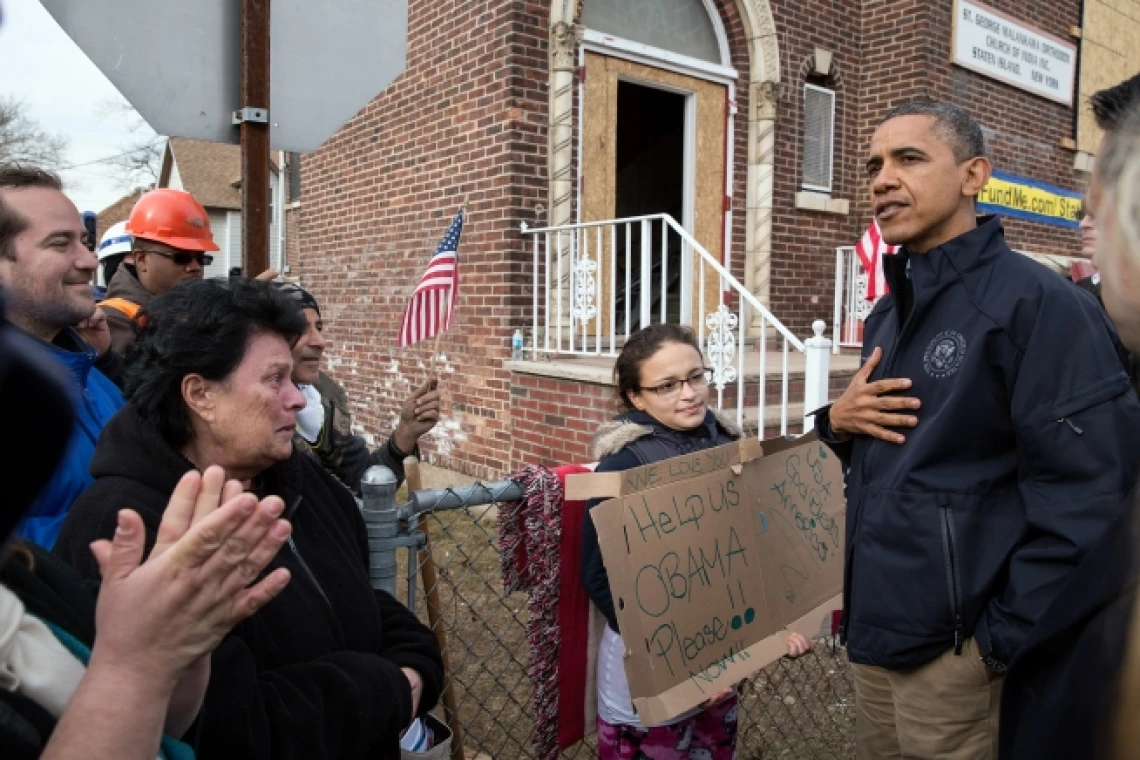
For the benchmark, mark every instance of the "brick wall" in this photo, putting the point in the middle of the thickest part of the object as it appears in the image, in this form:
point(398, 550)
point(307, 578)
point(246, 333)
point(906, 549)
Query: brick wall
point(556, 419)
point(466, 119)
point(292, 237)
point(804, 242)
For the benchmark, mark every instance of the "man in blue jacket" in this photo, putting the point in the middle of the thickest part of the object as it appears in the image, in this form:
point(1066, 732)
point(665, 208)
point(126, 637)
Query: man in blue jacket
point(990, 439)
point(45, 272)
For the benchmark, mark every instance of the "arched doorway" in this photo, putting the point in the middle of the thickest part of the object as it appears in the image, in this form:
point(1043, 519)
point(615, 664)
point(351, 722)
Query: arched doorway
point(652, 61)
point(654, 118)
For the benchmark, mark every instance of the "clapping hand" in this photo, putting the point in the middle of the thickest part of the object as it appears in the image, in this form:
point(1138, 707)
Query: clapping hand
point(163, 615)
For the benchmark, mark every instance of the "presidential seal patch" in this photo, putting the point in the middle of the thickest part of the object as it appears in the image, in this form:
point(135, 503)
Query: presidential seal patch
point(944, 354)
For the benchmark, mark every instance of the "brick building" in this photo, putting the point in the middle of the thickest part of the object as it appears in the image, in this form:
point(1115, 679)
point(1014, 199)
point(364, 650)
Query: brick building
point(746, 120)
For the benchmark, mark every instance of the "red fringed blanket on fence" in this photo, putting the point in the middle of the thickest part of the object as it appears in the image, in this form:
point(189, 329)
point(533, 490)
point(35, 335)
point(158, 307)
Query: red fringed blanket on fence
point(540, 539)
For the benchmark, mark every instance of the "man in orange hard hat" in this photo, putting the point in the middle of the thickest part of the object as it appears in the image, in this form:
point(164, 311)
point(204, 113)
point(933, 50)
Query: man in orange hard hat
point(170, 237)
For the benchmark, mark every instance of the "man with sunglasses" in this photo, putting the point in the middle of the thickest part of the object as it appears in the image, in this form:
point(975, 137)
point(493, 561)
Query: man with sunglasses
point(170, 237)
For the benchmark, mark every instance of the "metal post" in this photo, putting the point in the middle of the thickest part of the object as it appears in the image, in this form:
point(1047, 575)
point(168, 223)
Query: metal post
point(253, 119)
point(381, 518)
point(413, 551)
point(817, 356)
point(430, 576)
point(646, 272)
point(837, 320)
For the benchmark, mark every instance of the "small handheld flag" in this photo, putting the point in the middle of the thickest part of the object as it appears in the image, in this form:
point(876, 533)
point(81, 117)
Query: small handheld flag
point(433, 302)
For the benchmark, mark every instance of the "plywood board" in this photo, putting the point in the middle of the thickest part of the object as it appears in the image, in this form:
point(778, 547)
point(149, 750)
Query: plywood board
point(1110, 53)
point(599, 165)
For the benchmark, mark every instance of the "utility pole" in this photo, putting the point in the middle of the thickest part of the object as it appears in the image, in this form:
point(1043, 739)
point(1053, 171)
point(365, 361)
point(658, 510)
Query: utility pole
point(253, 120)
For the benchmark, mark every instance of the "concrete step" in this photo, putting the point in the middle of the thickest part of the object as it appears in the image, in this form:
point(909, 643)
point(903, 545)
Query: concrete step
point(599, 369)
point(772, 418)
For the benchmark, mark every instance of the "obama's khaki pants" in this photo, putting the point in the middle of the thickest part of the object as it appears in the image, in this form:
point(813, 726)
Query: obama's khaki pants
point(945, 709)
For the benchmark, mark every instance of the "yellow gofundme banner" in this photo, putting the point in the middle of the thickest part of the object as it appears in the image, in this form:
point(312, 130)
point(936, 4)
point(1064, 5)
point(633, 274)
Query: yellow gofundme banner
point(1022, 198)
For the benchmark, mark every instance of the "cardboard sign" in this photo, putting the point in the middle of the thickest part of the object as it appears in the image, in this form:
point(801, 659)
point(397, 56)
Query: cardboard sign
point(609, 484)
point(709, 569)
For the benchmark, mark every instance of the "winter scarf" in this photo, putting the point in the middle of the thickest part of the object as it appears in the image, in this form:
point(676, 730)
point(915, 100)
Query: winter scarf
point(540, 540)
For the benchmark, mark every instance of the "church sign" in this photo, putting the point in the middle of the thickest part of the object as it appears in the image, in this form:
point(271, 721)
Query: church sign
point(993, 44)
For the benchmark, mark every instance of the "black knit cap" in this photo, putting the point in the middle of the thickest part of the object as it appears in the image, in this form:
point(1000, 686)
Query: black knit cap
point(303, 297)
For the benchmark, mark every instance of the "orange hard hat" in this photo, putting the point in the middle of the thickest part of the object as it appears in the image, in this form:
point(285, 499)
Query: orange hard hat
point(173, 217)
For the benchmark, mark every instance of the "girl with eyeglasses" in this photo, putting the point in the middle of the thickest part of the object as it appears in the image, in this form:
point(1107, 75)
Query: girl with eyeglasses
point(663, 392)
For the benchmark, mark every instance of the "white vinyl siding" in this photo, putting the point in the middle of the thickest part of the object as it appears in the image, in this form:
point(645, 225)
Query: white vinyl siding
point(234, 218)
point(235, 248)
point(274, 221)
point(226, 228)
point(819, 138)
point(220, 267)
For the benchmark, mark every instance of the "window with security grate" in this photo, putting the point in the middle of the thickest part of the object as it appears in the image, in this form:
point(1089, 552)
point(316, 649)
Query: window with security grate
point(819, 137)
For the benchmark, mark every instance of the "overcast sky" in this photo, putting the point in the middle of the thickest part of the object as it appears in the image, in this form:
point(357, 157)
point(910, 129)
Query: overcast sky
point(66, 94)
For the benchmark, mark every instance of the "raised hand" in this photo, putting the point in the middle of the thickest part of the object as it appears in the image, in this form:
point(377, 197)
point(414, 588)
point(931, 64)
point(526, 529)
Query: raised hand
point(96, 331)
point(418, 415)
point(163, 615)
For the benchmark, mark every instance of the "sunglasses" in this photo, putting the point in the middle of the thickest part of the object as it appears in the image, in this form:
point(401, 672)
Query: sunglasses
point(182, 258)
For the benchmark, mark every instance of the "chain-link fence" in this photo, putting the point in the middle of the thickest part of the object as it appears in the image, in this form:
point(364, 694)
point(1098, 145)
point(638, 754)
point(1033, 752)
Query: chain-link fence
point(800, 708)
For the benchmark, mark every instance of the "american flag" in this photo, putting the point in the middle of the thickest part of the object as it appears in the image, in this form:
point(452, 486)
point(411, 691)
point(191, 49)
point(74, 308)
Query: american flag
point(433, 302)
point(871, 250)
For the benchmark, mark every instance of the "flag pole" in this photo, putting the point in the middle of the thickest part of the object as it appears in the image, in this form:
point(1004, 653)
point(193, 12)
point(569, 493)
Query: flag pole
point(435, 348)
point(433, 373)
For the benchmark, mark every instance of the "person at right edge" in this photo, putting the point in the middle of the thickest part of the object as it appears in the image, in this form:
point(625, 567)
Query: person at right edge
point(1109, 107)
point(1074, 689)
point(989, 440)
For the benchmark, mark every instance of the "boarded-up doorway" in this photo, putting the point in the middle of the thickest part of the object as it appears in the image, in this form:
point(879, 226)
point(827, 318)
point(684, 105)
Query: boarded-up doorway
point(653, 142)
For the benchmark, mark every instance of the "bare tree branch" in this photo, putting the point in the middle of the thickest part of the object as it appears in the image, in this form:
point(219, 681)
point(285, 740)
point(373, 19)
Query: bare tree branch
point(24, 141)
point(139, 164)
point(140, 161)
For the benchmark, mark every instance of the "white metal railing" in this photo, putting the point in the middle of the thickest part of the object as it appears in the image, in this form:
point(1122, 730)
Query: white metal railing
point(851, 304)
point(596, 282)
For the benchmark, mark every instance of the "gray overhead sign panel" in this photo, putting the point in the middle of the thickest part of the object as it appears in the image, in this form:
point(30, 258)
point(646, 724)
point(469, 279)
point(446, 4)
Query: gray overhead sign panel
point(178, 63)
point(329, 58)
